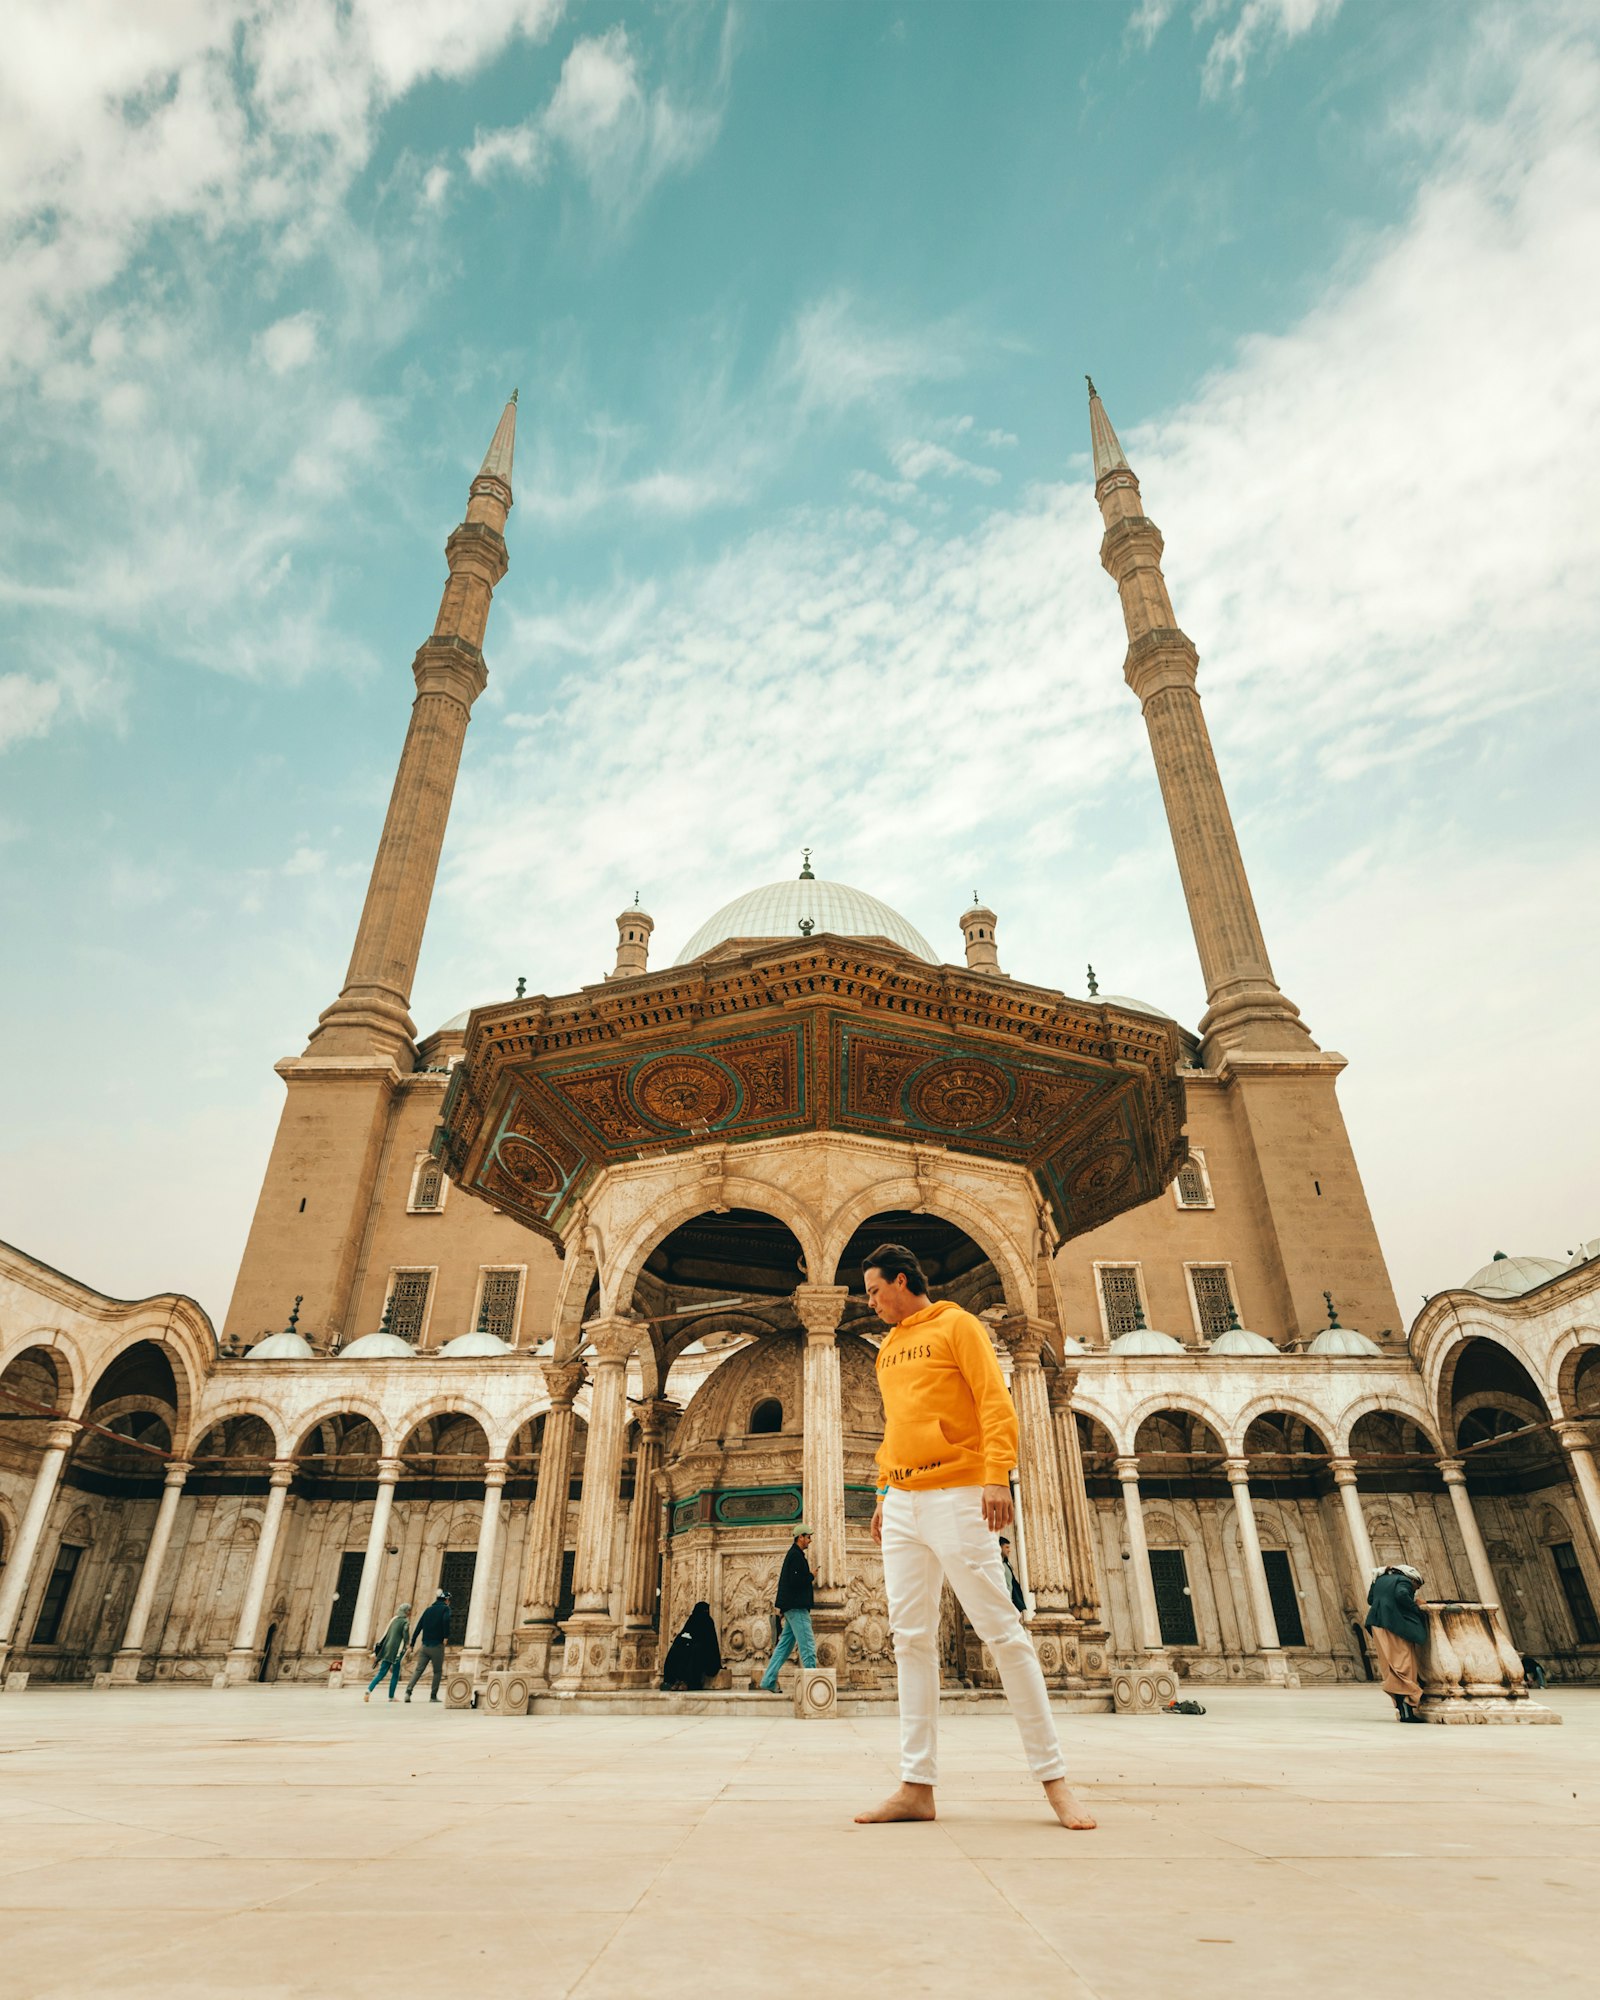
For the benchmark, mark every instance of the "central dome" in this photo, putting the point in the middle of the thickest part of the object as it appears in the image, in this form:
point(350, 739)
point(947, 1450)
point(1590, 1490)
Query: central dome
point(778, 911)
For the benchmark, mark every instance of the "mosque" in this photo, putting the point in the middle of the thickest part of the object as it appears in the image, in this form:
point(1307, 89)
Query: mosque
point(560, 1305)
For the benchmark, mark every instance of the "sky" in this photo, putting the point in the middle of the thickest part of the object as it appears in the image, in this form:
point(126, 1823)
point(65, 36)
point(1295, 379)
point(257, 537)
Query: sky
point(799, 299)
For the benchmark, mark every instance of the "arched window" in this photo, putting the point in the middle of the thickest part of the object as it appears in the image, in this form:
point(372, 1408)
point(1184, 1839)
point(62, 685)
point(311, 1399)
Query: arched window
point(1192, 1188)
point(427, 1190)
point(766, 1416)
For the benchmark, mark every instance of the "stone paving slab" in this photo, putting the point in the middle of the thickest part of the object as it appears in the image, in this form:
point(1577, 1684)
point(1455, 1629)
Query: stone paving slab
point(272, 1843)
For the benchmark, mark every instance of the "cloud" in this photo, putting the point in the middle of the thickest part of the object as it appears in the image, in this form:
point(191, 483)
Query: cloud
point(836, 357)
point(1251, 27)
point(916, 458)
point(620, 135)
point(289, 343)
point(27, 707)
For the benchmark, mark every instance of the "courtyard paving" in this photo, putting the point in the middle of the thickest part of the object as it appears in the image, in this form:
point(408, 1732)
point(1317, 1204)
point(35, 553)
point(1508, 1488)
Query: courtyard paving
point(292, 1841)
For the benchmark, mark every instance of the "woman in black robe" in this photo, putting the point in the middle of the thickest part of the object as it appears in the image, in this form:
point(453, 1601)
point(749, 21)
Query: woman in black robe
point(694, 1657)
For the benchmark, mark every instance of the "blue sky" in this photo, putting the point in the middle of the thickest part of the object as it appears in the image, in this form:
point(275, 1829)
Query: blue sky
point(799, 299)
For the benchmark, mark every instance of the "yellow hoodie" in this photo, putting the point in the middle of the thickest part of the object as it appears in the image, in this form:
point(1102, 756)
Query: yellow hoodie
point(948, 1417)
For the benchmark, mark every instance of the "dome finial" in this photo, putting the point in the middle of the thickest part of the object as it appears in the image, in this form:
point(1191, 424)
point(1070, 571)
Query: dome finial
point(805, 868)
point(522, 986)
point(294, 1316)
point(1094, 984)
point(1333, 1317)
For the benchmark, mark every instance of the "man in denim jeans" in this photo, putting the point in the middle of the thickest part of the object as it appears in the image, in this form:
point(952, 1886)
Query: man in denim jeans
point(796, 1589)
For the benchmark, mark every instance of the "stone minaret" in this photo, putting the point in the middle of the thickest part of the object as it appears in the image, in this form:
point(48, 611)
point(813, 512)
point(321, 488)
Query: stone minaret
point(633, 942)
point(358, 1113)
point(1263, 1079)
point(1245, 1009)
point(977, 927)
point(372, 1013)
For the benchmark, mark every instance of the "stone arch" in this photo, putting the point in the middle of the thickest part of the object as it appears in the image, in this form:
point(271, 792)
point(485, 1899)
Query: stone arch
point(578, 1276)
point(63, 1358)
point(344, 1405)
point(1185, 1401)
point(1388, 1406)
point(497, 1434)
point(1573, 1352)
point(187, 1374)
point(1268, 1404)
point(248, 1406)
point(1476, 1347)
point(1449, 1357)
point(949, 1205)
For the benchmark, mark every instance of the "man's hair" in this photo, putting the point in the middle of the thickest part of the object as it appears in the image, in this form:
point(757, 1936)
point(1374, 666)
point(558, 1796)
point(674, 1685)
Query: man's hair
point(894, 1260)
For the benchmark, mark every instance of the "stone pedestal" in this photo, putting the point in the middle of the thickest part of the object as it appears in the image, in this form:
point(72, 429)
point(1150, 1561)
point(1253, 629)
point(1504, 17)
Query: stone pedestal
point(1471, 1672)
point(591, 1655)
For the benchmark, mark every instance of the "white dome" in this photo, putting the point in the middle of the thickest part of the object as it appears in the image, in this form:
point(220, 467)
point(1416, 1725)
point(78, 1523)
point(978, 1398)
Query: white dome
point(1343, 1340)
point(1132, 1006)
point(376, 1347)
point(778, 910)
point(456, 1025)
point(1146, 1340)
point(1240, 1340)
point(1068, 1345)
point(476, 1342)
point(1510, 1277)
point(283, 1346)
point(1583, 1253)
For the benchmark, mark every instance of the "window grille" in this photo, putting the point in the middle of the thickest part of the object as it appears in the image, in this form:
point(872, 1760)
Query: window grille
point(1119, 1294)
point(1575, 1588)
point(455, 1575)
point(1174, 1606)
point(1194, 1190)
point(1285, 1598)
point(497, 1305)
point(408, 1303)
point(428, 1194)
point(56, 1593)
point(1213, 1298)
point(342, 1616)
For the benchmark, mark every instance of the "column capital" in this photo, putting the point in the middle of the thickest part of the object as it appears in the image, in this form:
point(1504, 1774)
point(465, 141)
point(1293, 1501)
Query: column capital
point(1452, 1472)
point(283, 1471)
point(1128, 1469)
point(614, 1339)
point(1063, 1387)
point(563, 1380)
point(820, 1309)
point(1574, 1436)
point(494, 1472)
point(391, 1471)
point(1237, 1471)
point(178, 1470)
point(1025, 1337)
point(654, 1414)
point(1343, 1470)
point(61, 1437)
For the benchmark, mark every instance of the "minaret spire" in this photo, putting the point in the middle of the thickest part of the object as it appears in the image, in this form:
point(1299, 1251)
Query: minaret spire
point(1245, 1008)
point(371, 1015)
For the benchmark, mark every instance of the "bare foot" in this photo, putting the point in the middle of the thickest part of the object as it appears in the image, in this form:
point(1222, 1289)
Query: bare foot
point(1066, 1807)
point(909, 1802)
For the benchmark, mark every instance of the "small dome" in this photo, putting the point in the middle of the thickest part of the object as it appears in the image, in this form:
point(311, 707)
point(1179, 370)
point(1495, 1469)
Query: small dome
point(378, 1347)
point(778, 910)
point(1240, 1340)
point(1146, 1340)
point(1584, 1253)
point(1509, 1277)
point(479, 1341)
point(283, 1346)
point(1068, 1345)
point(1132, 1006)
point(1343, 1340)
point(456, 1025)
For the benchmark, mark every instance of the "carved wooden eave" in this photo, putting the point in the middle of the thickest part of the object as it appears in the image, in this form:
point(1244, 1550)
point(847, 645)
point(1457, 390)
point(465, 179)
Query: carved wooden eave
point(829, 1034)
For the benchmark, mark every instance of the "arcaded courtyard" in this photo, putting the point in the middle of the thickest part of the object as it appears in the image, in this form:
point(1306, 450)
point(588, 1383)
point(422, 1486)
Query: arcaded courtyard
point(286, 1842)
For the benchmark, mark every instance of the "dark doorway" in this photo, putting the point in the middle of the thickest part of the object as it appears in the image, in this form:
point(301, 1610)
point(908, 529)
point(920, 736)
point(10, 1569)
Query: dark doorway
point(455, 1575)
point(1285, 1598)
point(1174, 1605)
point(56, 1593)
point(342, 1616)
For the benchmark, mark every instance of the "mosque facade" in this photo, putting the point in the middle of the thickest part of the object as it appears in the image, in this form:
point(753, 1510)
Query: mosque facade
point(560, 1305)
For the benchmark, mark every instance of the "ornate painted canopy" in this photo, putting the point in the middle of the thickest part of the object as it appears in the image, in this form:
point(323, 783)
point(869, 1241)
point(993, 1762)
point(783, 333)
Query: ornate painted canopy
point(826, 1034)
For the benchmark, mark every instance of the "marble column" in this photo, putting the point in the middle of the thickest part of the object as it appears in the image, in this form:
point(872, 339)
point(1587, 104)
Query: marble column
point(1080, 1529)
point(1255, 1570)
point(1044, 1511)
point(130, 1654)
point(359, 1644)
point(1574, 1440)
point(241, 1663)
point(547, 1527)
point(640, 1561)
point(1454, 1475)
point(58, 1443)
point(1355, 1524)
point(1143, 1593)
point(820, 1309)
point(590, 1631)
point(480, 1603)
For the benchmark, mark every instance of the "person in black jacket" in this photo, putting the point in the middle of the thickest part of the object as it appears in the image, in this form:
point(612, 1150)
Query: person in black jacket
point(1398, 1629)
point(1012, 1584)
point(796, 1591)
point(433, 1628)
point(694, 1658)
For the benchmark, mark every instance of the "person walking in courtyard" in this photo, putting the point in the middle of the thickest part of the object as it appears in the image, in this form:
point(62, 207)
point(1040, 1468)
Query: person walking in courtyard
point(391, 1652)
point(1012, 1583)
point(433, 1628)
point(949, 1445)
point(1398, 1629)
point(796, 1592)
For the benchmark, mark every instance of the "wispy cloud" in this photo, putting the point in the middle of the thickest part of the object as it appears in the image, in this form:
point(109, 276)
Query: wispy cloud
point(1239, 31)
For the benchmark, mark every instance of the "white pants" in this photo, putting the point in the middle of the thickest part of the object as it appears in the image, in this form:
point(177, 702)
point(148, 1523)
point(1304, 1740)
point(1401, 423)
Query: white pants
point(926, 1538)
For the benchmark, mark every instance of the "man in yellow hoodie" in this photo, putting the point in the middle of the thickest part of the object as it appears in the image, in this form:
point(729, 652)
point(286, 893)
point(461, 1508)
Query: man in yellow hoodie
point(944, 1494)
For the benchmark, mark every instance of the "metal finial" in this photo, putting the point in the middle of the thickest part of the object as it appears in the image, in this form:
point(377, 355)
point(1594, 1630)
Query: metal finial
point(1138, 1313)
point(514, 395)
point(294, 1317)
point(1333, 1317)
point(1093, 391)
point(1233, 1318)
point(388, 1314)
point(805, 871)
point(1094, 984)
point(806, 926)
point(636, 899)
point(483, 1314)
point(522, 987)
